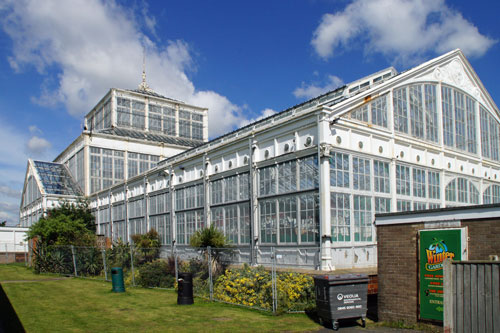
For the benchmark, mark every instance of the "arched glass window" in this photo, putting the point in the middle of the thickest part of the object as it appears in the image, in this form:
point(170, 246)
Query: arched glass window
point(462, 190)
point(490, 130)
point(374, 112)
point(491, 194)
point(459, 120)
point(415, 111)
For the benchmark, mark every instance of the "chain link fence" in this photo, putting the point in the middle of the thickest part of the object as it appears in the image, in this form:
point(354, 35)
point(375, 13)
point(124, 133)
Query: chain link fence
point(219, 274)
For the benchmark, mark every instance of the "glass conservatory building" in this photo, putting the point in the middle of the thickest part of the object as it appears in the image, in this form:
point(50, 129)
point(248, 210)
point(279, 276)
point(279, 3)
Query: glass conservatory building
point(125, 135)
point(309, 180)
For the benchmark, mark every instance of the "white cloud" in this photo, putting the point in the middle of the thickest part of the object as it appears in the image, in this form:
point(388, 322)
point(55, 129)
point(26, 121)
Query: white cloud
point(401, 29)
point(34, 130)
point(10, 192)
point(313, 90)
point(149, 20)
point(95, 45)
point(9, 212)
point(38, 146)
point(14, 154)
point(222, 114)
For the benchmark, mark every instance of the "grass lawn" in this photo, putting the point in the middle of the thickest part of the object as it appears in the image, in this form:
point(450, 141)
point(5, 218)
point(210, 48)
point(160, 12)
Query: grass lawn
point(78, 305)
point(20, 272)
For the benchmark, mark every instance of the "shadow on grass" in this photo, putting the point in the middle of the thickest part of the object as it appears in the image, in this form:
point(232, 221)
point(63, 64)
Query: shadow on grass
point(9, 322)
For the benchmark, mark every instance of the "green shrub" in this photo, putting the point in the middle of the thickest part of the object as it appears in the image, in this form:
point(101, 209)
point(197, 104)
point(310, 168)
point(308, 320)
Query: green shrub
point(118, 256)
point(52, 259)
point(147, 247)
point(156, 274)
point(89, 261)
point(70, 223)
point(209, 236)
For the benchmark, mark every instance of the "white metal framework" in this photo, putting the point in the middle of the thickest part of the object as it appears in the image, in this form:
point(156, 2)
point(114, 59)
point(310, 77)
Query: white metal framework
point(314, 175)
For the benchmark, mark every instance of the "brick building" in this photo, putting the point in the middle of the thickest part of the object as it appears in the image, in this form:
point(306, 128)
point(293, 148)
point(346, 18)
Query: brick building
point(399, 237)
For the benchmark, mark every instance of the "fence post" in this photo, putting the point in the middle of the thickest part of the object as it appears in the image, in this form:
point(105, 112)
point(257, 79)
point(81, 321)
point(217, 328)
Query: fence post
point(30, 253)
point(132, 264)
point(6, 254)
point(74, 259)
point(273, 277)
point(104, 264)
point(448, 320)
point(176, 268)
point(209, 250)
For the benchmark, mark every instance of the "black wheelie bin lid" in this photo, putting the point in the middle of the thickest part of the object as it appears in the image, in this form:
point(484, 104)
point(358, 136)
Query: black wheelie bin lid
point(342, 279)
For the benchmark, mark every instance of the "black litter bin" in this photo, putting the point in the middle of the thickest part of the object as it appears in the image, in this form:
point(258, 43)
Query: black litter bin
point(185, 289)
point(341, 297)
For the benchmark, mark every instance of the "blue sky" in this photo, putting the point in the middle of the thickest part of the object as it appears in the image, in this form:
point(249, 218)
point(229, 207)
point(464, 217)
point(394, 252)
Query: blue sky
point(241, 59)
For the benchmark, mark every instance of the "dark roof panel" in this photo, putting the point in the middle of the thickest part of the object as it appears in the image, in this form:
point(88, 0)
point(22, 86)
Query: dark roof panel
point(56, 179)
point(154, 137)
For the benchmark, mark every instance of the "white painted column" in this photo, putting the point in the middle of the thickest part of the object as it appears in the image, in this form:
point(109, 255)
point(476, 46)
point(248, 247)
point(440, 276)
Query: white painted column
point(114, 115)
point(86, 165)
point(206, 189)
point(110, 217)
point(392, 177)
point(254, 204)
point(177, 120)
point(173, 219)
point(146, 204)
point(127, 226)
point(324, 191)
point(97, 219)
point(146, 114)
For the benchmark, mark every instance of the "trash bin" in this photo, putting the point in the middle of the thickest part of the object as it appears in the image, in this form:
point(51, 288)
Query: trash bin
point(185, 289)
point(341, 297)
point(117, 280)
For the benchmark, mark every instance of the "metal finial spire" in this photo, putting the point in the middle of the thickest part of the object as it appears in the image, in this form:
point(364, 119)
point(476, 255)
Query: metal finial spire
point(144, 86)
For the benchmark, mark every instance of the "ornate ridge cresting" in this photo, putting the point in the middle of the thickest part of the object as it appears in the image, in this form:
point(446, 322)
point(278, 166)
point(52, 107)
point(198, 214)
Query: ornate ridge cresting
point(144, 86)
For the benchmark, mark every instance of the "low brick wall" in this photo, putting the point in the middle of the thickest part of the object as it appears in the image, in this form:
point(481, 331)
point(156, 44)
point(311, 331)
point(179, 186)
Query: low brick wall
point(9, 258)
point(398, 263)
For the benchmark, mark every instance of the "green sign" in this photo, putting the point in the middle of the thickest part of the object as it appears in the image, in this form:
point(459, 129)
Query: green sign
point(435, 247)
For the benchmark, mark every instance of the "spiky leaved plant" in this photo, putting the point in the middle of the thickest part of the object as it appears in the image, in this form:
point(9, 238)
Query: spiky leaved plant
point(213, 237)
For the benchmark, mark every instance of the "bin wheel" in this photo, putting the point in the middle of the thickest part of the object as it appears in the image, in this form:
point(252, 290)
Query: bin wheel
point(324, 322)
point(335, 325)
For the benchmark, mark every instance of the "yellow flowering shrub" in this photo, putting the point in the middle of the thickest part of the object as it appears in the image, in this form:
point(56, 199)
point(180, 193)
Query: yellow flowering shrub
point(252, 286)
point(295, 291)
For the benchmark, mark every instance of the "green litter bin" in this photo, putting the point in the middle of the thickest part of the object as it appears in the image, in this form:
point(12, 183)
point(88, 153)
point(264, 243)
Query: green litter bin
point(117, 280)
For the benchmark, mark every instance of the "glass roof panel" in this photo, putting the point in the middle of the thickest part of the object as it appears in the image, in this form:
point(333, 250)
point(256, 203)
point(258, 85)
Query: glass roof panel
point(56, 179)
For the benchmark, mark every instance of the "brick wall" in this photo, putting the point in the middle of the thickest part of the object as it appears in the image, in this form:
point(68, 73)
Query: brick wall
point(484, 238)
point(373, 285)
point(398, 264)
point(11, 257)
point(397, 272)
